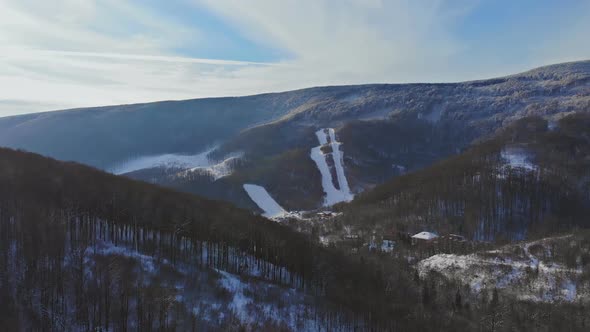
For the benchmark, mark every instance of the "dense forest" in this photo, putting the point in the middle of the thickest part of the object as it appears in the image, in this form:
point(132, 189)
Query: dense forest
point(530, 179)
point(52, 213)
point(79, 247)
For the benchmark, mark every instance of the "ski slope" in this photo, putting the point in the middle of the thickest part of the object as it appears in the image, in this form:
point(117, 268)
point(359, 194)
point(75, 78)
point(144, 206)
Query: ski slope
point(332, 194)
point(219, 170)
point(188, 163)
point(262, 198)
point(169, 160)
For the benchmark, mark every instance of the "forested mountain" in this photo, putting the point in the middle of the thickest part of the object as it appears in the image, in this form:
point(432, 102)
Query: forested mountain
point(481, 164)
point(530, 179)
point(213, 146)
point(84, 250)
point(106, 136)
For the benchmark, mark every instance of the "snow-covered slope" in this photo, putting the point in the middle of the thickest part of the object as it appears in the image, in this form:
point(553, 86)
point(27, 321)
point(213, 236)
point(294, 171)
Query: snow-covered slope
point(216, 298)
point(515, 268)
point(333, 195)
point(219, 170)
point(183, 165)
point(168, 160)
point(262, 198)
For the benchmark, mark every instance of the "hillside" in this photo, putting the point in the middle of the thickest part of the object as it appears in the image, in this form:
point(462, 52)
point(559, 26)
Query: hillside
point(213, 146)
point(106, 136)
point(386, 131)
point(553, 270)
point(530, 180)
point(83, 249)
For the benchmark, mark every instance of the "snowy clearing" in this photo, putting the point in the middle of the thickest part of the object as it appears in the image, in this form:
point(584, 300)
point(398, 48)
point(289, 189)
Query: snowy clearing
point(168, 160)
point(523, 275)
point(262, 198)
point(252, 301)
point(515, 157)
point(187, 163)
point(333, 195)
point(219, 170)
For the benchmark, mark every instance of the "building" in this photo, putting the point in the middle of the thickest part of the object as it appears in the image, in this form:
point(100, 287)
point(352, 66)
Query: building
point(424, 237)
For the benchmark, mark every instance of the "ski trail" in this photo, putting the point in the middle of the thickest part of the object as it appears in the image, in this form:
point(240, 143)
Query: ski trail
point(322, 138)
point(333, 195)
point(265, 202)
point(331, 192)
point(339, 162)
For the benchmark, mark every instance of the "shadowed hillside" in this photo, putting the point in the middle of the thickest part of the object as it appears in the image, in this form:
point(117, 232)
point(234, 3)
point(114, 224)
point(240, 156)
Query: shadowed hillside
point(530, 179)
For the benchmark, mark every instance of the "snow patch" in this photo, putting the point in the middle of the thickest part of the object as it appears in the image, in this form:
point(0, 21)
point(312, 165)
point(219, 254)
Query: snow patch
point(522, 275)
point(239, 303)
point(515, 157)
point(425, 236)
point(168, 160)
point(147, 263)
point(264, 201)
point(333, 195)
point(219, 170)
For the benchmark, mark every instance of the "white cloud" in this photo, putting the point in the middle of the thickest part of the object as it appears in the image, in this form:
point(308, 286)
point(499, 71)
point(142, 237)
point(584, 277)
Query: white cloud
point(72, 53)
point(351, 41)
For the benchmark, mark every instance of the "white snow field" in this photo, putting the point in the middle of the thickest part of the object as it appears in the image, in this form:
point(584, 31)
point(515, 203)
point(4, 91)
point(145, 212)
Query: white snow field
point(333, 195)
point(262, 198)
point(168, 160)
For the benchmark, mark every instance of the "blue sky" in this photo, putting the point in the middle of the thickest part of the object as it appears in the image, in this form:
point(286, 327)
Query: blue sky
point(73, 53)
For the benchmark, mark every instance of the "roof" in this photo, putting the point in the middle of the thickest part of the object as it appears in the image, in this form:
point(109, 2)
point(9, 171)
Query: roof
point(425, 236)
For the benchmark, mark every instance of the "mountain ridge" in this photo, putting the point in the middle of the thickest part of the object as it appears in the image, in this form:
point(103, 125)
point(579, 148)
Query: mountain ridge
point(384, 128)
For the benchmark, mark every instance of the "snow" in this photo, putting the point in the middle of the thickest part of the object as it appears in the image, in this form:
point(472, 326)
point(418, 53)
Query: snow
point(339, 161)
point(146, 262)
point(189, 163)
point(239, 303)
point(322, 137)
point(425, 236)
point(523, 275)
point(517, 158)
point(219, 170)
point(264, 201)
point(333, 195)
point(290, 308)
point(168, 160)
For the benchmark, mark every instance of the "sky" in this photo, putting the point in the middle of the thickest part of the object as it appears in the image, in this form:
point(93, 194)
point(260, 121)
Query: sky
point(77, 53)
